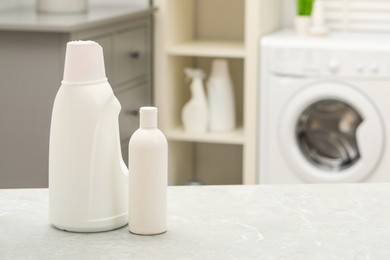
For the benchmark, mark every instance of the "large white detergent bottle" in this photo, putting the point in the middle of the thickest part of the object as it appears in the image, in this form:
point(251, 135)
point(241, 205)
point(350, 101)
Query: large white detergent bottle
point(222, 108)
point(195, 113)
point(87, 176)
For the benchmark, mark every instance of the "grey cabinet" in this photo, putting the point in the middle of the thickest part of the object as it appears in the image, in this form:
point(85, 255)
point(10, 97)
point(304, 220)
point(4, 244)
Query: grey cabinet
point(31, 68)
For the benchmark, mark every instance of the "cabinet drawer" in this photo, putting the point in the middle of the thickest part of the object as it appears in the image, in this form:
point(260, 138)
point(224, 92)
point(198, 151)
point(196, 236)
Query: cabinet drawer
point(131, 100)
point(130, 54)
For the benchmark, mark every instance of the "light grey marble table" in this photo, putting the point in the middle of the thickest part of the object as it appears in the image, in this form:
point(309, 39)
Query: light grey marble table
point(347, 221)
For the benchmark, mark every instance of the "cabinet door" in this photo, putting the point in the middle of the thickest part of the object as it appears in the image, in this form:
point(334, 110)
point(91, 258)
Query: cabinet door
point(130, 54)
point(131, 100)
point(31, 73)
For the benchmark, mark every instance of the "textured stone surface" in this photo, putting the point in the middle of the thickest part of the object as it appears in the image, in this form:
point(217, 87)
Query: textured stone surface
point(346, 221)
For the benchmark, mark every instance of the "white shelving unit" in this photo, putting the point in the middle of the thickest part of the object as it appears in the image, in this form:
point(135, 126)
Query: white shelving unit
point(191, 33)
point(232, 49)
point(233, 137)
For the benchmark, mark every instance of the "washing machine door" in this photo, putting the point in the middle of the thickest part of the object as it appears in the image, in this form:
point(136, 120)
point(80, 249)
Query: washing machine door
point(331, 132)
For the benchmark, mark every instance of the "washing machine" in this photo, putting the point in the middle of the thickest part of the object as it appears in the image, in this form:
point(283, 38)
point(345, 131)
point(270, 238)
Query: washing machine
point(324, 108)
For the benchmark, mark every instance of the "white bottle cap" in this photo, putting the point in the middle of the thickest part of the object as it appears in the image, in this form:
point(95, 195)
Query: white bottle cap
point(148, 117)
point(84, 62)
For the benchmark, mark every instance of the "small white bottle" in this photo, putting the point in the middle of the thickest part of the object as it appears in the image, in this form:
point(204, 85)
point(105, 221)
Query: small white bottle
point(87, 175)
point(148, 176)
point(222, 114)
point(195, 113)
point(318, 26)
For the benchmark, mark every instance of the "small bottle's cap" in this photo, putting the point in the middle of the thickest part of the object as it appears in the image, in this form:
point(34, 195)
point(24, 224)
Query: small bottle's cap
point(148, 117)
point(84, 62)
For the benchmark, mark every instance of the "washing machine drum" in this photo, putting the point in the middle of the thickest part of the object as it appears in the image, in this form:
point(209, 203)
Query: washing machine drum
point(326, 134)
point(331, 132)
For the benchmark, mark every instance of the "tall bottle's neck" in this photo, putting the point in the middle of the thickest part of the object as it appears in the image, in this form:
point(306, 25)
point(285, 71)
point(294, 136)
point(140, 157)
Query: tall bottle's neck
point(219, 67)
point(148, 117)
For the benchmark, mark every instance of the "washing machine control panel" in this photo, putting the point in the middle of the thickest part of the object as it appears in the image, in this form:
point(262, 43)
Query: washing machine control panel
point(327, 62)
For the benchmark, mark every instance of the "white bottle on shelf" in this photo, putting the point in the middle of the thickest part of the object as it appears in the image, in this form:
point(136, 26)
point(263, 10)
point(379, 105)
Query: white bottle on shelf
point(195, 113)
point(318, 26)
point(148, 176)
point(221, 103)
point(87, 175)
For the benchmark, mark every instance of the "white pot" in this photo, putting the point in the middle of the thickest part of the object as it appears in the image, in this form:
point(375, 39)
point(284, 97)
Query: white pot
point(302, 24)
point(62, 6)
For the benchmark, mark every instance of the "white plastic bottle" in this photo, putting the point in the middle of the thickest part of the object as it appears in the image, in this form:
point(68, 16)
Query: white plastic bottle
point(195, 113)
point(148, 176)
point(318, 26)
point(221, 103)
point(87, 175)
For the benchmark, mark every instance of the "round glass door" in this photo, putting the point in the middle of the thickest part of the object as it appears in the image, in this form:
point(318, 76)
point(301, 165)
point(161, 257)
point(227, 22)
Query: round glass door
point(331, 132)
point(326, 134)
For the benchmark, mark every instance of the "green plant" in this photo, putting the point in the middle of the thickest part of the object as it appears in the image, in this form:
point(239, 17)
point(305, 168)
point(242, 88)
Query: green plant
point(304, 7)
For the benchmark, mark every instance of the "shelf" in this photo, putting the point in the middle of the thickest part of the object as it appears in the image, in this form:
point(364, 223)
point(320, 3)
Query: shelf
point(224, 49)
point(192, 33)
point(232, 137)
